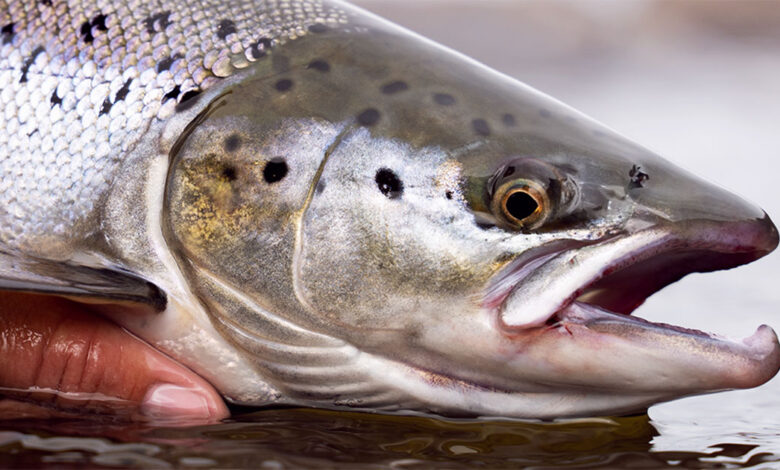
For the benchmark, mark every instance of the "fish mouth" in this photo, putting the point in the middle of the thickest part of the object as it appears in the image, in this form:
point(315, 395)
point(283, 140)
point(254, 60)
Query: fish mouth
point(599, 285)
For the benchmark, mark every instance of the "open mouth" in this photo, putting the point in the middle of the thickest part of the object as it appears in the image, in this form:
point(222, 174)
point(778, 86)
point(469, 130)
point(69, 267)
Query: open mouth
point(615, 276)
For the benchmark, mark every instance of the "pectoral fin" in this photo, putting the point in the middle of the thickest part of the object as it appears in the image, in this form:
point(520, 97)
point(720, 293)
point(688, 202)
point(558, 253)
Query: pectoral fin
point(24, 274)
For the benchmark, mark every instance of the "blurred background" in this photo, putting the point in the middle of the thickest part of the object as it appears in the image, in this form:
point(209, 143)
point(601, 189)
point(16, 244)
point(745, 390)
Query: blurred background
point(697, 82)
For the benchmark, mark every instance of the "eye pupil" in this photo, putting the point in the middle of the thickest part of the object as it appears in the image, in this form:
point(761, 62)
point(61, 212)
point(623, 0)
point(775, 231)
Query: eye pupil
point(520, 205)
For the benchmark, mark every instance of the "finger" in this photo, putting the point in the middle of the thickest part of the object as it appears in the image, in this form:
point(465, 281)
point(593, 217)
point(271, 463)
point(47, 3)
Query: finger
point(55, 354)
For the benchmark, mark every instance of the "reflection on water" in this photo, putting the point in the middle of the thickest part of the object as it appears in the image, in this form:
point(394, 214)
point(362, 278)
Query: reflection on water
point(297, 438)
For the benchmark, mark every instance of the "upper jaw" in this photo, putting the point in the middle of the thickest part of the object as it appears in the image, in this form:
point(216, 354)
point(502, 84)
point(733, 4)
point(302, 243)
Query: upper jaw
point(620, 272)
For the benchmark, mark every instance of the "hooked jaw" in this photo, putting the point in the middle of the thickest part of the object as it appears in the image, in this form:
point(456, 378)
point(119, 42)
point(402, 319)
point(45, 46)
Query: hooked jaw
point(581, 301)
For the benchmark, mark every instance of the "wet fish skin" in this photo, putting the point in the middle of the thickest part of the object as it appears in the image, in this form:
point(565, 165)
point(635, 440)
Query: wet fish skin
point(83, 82)
point(281, 215)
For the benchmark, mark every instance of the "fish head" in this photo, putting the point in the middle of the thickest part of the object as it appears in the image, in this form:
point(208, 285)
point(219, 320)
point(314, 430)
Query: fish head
point(487, 243)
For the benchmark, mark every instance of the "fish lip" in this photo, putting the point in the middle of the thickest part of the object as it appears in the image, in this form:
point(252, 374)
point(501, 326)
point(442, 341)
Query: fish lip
point(723, 245)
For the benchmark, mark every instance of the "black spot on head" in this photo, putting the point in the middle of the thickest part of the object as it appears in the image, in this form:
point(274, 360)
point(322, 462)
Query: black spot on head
point(275, 170)
point(233, 143)
point(173, 94)
point(395, 87)
point(481, 127)
point(229, 173)
point(448, 195)
point(55, 100)
point(320, 187)
point(509, 120)
point(283, 85)
point(157, 22)
point(545, 113)
point(225, 28)
point(318, 28)
point(188, 99)
point(369, 117)
point(8, 32)
point(387, 182)
point(167, 62)
point(121, 94)
point(319, 65)
point(107, 105)
point(444, 99)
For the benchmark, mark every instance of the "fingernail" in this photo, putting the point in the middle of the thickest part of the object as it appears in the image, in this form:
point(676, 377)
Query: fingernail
point(174, 401)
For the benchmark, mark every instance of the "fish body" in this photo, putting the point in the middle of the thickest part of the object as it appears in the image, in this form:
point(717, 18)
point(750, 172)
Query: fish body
point(307, 205)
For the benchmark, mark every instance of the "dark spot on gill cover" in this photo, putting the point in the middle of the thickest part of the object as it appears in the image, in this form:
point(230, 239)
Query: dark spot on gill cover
point(481, 127)
point(29, 62)
point(320, 187)
point(229, 173)
point(8, 32)
point(173, 94)
point(318, 28)
point(232, 143)
point(448, 195)
point(389, 183)
point(188, 99)
point(444, 99)
point(319, 65)
point(395, 87)
point(509, 120)
point(283, 85)
point(275, 170)
point(225, 28)
point(369, 117)
point(157, 22)
point(261, 48)
point(545, 113)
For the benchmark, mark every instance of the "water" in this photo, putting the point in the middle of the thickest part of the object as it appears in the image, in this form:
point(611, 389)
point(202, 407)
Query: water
point(698, 82)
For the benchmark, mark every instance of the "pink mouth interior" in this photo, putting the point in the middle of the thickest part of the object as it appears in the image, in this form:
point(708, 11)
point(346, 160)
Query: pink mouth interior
point(625, 289)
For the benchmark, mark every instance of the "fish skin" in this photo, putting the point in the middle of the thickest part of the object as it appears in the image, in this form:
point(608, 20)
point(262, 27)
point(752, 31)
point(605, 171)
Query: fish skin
point(283, 287)
point(82, 82)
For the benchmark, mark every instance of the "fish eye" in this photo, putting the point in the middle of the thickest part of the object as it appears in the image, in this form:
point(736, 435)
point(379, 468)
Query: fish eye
point(521, 203)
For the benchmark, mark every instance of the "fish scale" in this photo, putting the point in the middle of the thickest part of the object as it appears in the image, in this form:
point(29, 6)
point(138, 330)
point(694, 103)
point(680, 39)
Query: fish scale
point(83, 81)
